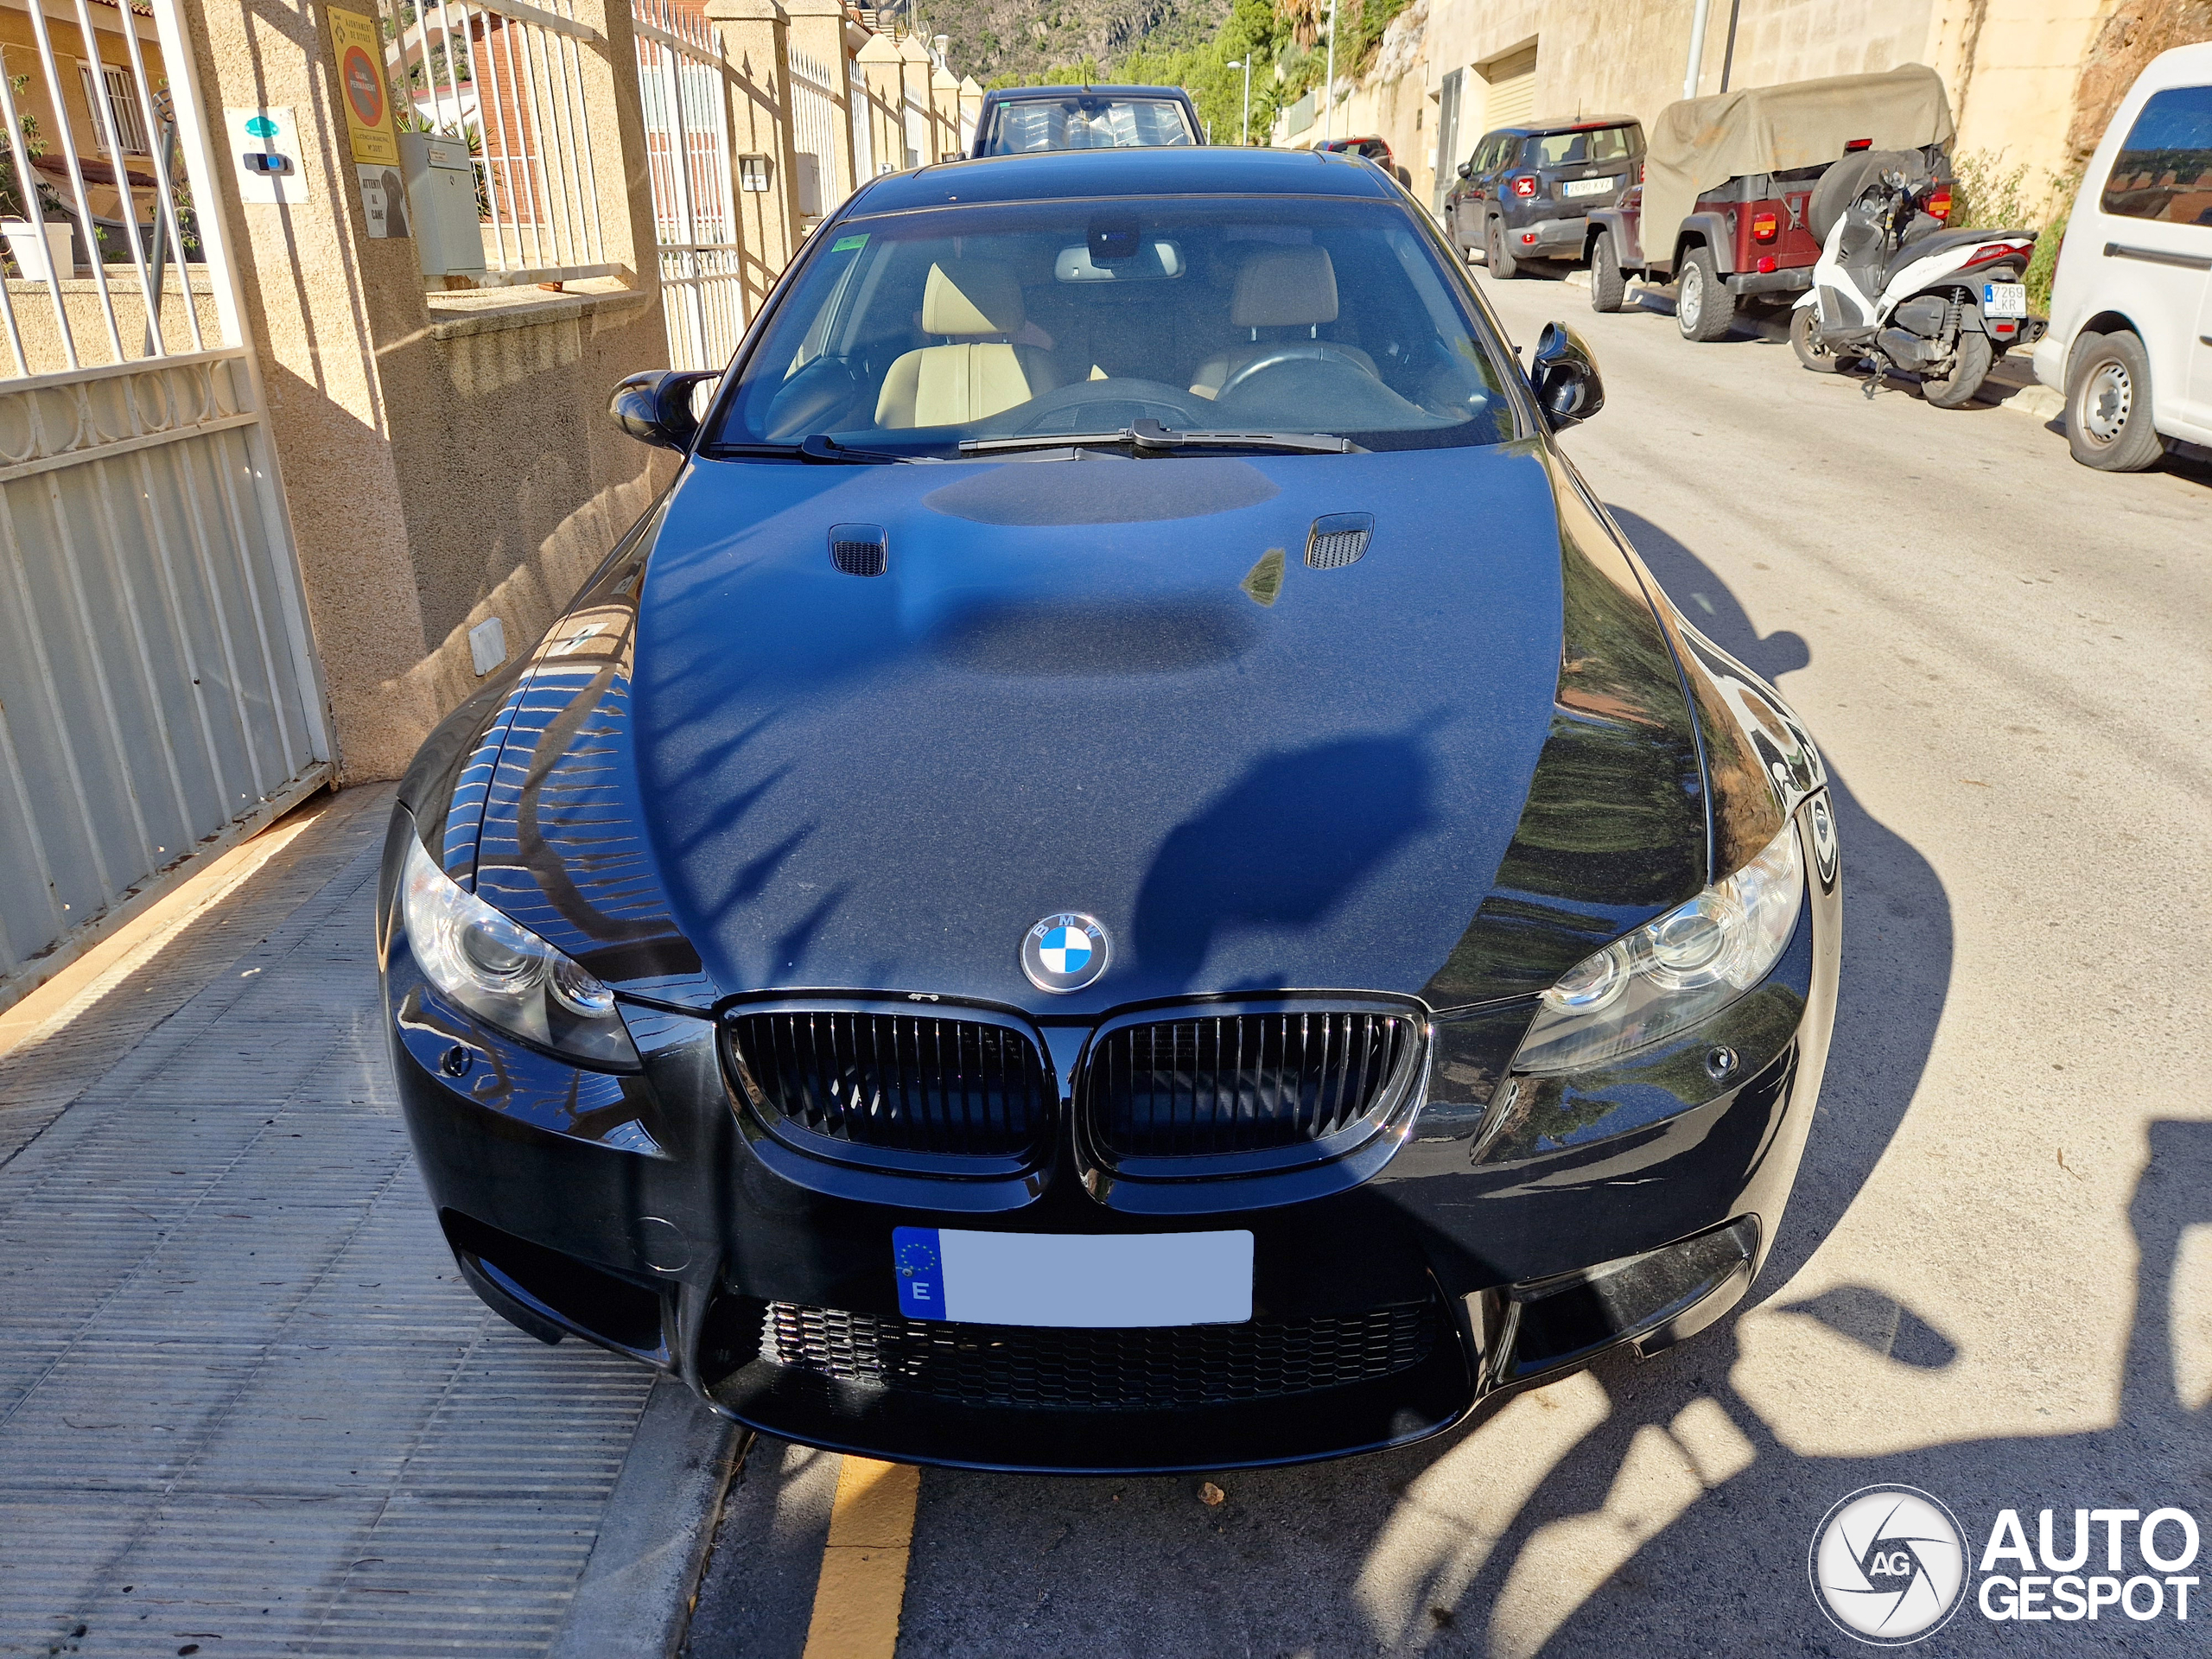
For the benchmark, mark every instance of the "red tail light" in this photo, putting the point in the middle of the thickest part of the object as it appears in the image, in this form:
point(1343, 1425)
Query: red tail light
point(1857, 144)
point(1525, 186)
point(1989, 251)
point(1939, 202)
point(1764, 227)
point(1767, 263)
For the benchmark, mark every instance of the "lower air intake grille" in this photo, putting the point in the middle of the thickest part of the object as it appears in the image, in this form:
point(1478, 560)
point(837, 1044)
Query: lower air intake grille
point(1102, 1370)
point(894, 1081)
point(1244, 1082)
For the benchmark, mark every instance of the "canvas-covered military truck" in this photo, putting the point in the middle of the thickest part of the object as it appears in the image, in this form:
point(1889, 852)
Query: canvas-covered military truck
point(1729, 177)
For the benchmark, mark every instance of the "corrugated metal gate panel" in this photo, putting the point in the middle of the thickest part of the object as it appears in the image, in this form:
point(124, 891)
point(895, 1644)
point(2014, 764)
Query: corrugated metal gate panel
point(150, 694)
point(158, 691)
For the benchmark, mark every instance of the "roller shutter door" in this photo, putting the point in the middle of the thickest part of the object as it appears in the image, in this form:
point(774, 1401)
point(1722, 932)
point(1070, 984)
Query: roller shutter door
point(1511, 98)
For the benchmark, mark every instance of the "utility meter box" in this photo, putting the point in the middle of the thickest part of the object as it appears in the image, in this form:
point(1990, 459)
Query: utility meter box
point(442, 200)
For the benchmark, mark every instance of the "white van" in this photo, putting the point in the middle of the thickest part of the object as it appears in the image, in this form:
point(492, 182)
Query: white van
point(2130, 310)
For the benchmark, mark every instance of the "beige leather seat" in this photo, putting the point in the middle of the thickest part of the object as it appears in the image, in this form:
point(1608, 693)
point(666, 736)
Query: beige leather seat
point(1279, 287)
point(976, 305)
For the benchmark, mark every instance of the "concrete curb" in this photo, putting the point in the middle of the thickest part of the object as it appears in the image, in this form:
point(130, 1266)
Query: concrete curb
point(636, 1593)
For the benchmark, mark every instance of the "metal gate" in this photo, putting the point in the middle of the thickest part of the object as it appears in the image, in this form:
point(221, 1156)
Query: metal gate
point(159, 694)
point(685, 83)
point(815, 121)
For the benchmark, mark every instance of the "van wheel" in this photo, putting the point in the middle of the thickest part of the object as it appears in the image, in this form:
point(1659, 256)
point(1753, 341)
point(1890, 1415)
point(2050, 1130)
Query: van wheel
point(1970, 369)
point(1805, 341)
point(1608, 288)
point(1502, 262)
point(2108, 404)
point(1704, 309)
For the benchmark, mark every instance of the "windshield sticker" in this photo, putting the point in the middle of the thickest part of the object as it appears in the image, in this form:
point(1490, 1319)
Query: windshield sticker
point(847, 243)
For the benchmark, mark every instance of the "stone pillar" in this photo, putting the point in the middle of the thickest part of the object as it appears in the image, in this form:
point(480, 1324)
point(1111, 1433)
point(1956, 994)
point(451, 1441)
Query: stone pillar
point(318, 298)
point(915, 62)
point(944, 99)
point(817, 29)
point(755, 42)
point(971, 109)
point(441, 465)
point(881, 58)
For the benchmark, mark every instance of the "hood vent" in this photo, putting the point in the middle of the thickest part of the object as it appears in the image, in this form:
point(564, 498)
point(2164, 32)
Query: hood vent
point(863, 549)
point(1338, 539)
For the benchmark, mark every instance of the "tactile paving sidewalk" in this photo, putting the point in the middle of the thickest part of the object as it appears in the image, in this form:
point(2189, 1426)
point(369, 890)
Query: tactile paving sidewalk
point(246, 1405)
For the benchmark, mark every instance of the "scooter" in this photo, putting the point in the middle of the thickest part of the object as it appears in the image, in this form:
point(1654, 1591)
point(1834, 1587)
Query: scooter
point(1896, 287)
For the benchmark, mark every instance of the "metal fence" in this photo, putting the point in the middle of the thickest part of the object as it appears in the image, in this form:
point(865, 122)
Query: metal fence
point(157, 686)
point(684, 85)
point(509, 77)
point(815, 121)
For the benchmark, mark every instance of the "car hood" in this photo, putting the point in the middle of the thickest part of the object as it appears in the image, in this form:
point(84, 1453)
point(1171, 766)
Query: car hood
point(1100, 685)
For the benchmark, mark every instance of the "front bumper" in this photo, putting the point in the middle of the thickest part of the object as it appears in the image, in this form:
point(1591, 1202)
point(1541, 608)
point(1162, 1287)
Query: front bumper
point(639, 1212)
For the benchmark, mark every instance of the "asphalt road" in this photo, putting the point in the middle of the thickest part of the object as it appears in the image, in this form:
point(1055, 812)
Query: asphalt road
point(1995, 1279)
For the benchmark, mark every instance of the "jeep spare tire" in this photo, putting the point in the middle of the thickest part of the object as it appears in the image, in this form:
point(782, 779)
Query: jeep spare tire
point(1840, 185)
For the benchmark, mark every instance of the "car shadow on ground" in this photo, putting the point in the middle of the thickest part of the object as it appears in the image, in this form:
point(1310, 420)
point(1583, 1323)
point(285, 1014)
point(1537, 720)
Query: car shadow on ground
point(1648, 1507)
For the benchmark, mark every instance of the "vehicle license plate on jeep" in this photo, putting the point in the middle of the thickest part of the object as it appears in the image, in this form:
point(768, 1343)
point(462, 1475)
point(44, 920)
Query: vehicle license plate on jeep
point(1076, 1280)
point(2005, 299)
point(1587, 187)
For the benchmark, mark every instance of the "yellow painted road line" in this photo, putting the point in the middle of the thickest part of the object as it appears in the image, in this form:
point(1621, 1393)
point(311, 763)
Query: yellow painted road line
point(863, 1580)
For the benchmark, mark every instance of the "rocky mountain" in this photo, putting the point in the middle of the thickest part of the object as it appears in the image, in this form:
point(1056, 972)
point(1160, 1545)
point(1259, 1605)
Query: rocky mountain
point(993, 39)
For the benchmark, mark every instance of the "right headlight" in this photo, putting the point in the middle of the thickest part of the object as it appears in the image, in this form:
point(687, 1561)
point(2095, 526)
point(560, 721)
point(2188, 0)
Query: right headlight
point(1670, 972)
point(505, 974)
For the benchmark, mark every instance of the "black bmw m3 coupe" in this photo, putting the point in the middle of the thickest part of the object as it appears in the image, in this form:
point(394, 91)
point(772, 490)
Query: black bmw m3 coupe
point(1127, 873)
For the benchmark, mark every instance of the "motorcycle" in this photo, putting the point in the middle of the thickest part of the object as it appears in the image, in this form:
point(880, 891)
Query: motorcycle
point(1896, 286)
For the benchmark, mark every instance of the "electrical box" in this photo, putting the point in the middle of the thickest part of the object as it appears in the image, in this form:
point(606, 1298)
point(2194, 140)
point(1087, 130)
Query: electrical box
point(441, 199)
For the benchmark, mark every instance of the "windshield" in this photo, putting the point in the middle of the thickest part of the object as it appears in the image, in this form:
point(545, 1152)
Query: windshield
point(912, 332)
point(1085, 121)
point(1565, 149)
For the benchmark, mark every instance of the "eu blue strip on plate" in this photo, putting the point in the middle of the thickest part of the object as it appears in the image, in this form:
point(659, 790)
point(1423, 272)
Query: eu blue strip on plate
point(921, 1272)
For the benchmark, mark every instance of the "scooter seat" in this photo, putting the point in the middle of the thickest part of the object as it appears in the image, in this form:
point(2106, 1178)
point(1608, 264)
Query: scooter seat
point(1922, 247)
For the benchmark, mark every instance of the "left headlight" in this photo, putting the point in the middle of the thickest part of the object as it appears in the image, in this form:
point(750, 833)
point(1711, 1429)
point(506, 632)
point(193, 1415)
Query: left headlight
point(1670, 972)
point(503, 973)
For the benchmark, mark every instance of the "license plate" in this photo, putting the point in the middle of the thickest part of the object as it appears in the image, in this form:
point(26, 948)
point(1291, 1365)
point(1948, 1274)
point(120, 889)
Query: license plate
point(1073, 1279)
point(1587, 187)
point(2005, 299)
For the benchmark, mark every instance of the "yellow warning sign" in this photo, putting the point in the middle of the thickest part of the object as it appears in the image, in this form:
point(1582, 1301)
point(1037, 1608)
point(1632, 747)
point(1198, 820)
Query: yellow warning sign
point(361, 86)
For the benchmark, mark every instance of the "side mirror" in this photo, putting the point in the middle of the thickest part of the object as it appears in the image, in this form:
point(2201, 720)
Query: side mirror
point(1466, 169)
point(1405, 177)
point(1565, 377)
point(655, 406)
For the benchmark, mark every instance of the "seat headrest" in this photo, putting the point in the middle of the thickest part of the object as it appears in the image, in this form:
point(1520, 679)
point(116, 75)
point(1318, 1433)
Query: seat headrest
point(1285, 287)
point(971, 297)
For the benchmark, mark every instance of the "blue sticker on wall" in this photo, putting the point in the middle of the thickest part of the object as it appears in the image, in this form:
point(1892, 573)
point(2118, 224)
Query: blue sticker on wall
point(920, 1272)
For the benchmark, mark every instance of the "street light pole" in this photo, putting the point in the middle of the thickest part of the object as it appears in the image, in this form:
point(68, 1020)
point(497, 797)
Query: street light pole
point(1329, 115)
point(1244, 128)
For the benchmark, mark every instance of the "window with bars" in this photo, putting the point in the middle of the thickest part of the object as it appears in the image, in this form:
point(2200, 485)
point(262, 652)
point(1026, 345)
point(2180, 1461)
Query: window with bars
point(112, 82)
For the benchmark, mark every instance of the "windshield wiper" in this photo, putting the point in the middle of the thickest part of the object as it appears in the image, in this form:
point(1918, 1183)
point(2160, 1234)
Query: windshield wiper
point(1149, 437)
point(818, 447)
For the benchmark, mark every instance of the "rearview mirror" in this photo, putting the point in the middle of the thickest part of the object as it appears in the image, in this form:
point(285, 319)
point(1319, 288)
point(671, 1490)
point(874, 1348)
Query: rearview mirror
point(1565, 377)
point(1466, 169)
point(655, 406)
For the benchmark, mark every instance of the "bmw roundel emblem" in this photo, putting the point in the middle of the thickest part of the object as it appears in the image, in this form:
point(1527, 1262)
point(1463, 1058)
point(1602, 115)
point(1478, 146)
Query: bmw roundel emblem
point(1064, 952)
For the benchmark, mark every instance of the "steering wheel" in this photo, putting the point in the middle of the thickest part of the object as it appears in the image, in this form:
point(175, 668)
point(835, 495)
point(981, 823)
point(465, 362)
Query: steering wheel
point(1302, 351)
point(1166, 403)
